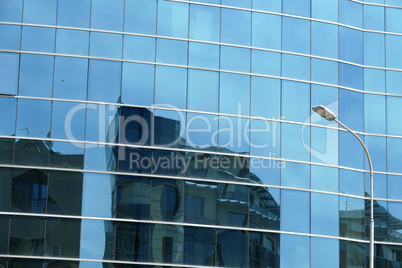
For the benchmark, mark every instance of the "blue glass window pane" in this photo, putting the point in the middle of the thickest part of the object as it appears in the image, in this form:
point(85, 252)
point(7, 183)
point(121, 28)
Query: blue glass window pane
point(199, 246)
point(350, 13)
point(235, 59)
point(393, 79)
point(140, 16)
point(200, 131)
point(265, 62)
point(380, 185)
point(172, 19)
point(393, 53)
point(36, 75)
point(169, 128)
point(325, 10)
point(393, 155)
point(351, 153)
point(373, 17)
point(107, 15)
point(11, 37)
point(324, 252)
point(324, 145)
point(40, 12)
point(235, 3)
point(25, 153)
point(235, 26)
point(295, 211)
point(394, 229)
point(38, 39)
point(296, 175)
point(232, 248)
point(172, 244)
point(73, 13)
point(99, 158)
point(296, 246)
point(295, 142)
point(324, 178)
point(171, 86)
point(139, 48)
point(374, 49)
point(350, 45)
point(234, 94)
point(203, 23)
point(9, 64)
point(138, 84)
point(267, 172)
point(296, 35)
point(229, 214)
point(264, 202)
point(11, 10)
point(203, 90)
point(33, 118)
point(274, 5)
point(68, 119)
point(374, 80)
point(297, 67)
point(66, 155)
point(350, 76)
point(106, 45)
point(264, 138)
point(70, 78)
point(231, 135)
point(324, 214)
point(265, 97)
point(394, 108)
point(72, 42)
point(167, 200)
point(93, 243)
point(266, 31)
point(104, 80)
point(204, 55)
point(351, 182)
point(378, 152)
point(97, 122)
point(394, 187)
point(171, 51)
point(295, 101)
point(393, 20)
point(374, 114)
point(7, 116)
point(296, 7)
point(324, 39)
point(327, 96)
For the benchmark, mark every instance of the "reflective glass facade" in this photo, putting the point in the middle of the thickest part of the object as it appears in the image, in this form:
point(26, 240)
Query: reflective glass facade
point(176, 133)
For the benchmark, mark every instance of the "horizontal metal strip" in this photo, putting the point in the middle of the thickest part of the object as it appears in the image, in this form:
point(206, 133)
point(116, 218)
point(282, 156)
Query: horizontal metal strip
point(375, 4)
point(206, 42)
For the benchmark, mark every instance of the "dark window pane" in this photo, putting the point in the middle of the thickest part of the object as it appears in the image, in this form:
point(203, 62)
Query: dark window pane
point(133, 197)
point(4, 230)
point(64, 193)
point(29, 190)
point(63, 237)
point(264, 208)
point(351, 217)
point(167, 243)
point(232, 206)
point(394, 219)
point(352, 254)
point(167, 200)
point(132, 241)
point(200, 202)
point(232, 248)
point(199, 246)
point(6, 151)
point(31, 153)
point(5, 189)
point(27, 236)
point(264, 250)
point(169, 128)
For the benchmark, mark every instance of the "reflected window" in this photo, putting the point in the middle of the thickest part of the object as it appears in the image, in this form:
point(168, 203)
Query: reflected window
point(167, 200)
point(58, 245)
point(264, 208)
point(352, 253)
point(134, 160)
point(101, 122)
point(169, 128)
point(199, 246)
point(232, 248)
point(167, 243)
point(232, 205)
point(9, 73)
point(27, 236)
point(233, 135)
point(31, 153)
point(200, 202)
point(351, 217)
point(133, 197)
point(7, 116)
point(134, 126)
point(374, 80)
point(132, 241)
point(264, 250)
point(5, 189)
point(394, 219)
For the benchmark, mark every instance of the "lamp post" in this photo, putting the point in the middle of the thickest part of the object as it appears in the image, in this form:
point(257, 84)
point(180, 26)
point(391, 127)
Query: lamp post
point(330, 116)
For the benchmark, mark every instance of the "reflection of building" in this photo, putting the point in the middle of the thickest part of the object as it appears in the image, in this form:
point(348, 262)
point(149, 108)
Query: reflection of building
point(195, 202)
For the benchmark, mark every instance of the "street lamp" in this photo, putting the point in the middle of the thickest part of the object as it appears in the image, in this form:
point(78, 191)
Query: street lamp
point(330, 116)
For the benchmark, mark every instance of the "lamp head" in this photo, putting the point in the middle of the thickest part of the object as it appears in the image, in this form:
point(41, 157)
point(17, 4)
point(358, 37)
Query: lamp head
point(324, 112)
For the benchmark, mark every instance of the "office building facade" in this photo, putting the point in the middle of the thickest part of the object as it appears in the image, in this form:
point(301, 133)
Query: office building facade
point(176, 133)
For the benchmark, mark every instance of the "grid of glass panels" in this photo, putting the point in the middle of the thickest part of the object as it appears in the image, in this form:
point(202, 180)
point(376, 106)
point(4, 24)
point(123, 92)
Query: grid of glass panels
point(179, 132)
